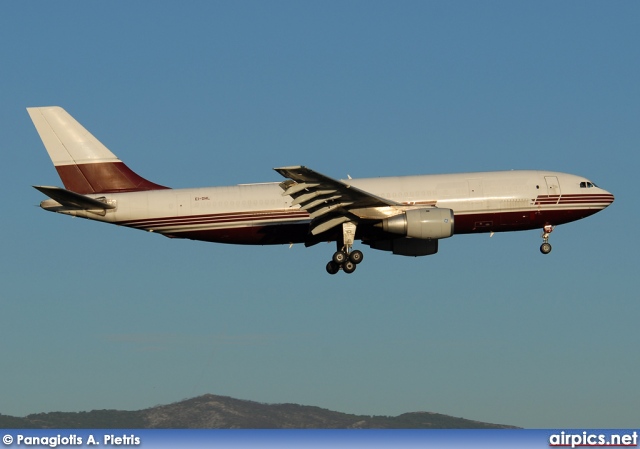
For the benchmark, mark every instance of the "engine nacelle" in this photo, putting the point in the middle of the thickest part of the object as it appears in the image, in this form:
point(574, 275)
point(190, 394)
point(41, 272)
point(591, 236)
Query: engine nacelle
point(431, 223)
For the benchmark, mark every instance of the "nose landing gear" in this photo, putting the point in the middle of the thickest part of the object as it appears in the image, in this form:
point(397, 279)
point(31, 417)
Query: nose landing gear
point(545, 248)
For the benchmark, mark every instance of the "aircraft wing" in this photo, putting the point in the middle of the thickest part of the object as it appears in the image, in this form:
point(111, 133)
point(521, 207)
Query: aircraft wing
point(73, 200)
point(330, 202)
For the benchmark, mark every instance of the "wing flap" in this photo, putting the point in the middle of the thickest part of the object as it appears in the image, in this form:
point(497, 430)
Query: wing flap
point(319, 212)
point(307, 180)
point(329, 224)
point(293, 188)
point(323, 200)
point(328, 201)
point(304, 198)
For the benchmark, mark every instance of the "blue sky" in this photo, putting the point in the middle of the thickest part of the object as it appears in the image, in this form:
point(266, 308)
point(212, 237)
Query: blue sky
point(218, 93)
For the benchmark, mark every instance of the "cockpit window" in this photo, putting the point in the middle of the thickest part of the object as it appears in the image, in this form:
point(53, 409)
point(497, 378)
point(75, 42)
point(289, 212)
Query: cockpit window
point(587, 185)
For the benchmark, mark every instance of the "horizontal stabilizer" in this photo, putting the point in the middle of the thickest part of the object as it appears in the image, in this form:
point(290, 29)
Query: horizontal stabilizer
point(74, 200)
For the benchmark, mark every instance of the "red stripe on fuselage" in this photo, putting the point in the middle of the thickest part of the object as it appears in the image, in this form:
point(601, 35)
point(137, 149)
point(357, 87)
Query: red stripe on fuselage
point(574, 199)
point(234, 217)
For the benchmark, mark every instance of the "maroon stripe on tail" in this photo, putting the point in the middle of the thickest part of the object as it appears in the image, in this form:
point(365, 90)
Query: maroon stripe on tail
point(103, 177)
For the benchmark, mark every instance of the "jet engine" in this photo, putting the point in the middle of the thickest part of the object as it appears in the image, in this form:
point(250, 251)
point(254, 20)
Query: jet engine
point(426, 224)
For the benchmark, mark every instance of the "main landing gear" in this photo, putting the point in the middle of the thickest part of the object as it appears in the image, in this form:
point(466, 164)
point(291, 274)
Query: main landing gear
point(344, 261)
point(344, 258)
point(545, 248)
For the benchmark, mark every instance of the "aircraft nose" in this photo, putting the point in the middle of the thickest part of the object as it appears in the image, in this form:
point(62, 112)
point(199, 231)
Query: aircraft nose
point(607, 198)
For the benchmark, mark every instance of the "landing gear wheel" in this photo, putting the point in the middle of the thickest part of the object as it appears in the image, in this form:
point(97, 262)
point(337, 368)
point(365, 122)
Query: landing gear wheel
point(339, 257)
point(545, 248)
point(356, 256)
point(332, 267)
point(348, 267)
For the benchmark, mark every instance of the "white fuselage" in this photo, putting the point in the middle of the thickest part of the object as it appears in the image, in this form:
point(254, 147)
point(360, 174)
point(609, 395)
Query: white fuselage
point(251, 213)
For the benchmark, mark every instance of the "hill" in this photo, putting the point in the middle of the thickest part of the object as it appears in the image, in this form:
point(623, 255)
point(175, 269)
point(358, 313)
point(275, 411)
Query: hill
point(221, 412)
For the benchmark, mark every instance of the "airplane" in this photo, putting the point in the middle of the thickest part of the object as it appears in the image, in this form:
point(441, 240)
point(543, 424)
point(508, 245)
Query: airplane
point(405, 215)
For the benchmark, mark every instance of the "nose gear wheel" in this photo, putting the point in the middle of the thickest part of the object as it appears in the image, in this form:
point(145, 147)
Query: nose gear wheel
point(545, 248)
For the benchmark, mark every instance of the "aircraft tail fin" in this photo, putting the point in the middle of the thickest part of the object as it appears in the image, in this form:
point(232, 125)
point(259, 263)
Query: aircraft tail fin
point(83, 163)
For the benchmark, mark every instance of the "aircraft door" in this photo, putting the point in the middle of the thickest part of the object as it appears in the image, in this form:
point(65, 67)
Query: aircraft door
point(553, 186)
